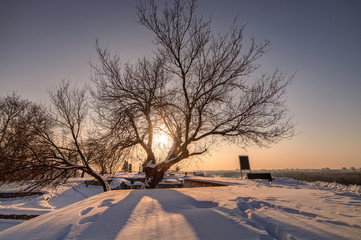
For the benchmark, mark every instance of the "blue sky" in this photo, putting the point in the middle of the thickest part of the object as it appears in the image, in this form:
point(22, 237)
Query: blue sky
point(45, 41)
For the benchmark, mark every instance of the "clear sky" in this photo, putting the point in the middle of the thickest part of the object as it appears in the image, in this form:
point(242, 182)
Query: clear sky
point(45, 41)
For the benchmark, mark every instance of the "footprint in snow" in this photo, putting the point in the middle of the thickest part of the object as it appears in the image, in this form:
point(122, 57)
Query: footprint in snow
point(92, 218)
point(206, 204)
point(107, 202)
point(251, 204)
point(85, 211)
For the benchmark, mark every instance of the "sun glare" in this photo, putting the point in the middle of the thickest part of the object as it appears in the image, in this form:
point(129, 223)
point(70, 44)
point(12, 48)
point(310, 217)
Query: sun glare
point(161, 139)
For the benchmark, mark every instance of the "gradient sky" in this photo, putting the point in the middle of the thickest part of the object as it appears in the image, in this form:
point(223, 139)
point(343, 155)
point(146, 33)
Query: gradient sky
point(45, 41)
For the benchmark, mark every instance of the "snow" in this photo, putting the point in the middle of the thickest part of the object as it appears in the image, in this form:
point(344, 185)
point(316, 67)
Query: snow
point(151, 165)
point(249, 209)
point(5, 224)
point(116, 183)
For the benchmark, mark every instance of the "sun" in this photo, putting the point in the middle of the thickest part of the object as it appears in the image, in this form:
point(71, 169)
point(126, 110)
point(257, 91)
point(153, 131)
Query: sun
point(161, 138)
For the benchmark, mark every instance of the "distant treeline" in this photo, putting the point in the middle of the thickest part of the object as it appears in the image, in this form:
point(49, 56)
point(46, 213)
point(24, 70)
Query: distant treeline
point(325, 175)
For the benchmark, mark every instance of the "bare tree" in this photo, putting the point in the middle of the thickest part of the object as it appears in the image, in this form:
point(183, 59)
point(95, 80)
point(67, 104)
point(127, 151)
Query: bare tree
point(21, 148)
point(199, 89)
point(11, 107)
point(102, 155)
point(13, 133)
point(59, 144)
point(70, 152)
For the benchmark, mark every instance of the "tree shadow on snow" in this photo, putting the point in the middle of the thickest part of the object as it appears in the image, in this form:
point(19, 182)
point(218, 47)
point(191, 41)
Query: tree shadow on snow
point(165, 214)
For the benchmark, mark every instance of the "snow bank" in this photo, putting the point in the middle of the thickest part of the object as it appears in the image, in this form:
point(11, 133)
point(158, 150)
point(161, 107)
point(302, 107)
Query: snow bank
point(249, 209)
point(336, 186)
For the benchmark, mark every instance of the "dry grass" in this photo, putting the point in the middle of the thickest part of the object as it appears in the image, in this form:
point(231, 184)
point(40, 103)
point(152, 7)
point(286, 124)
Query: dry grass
point(342, 177)
point(338, 176)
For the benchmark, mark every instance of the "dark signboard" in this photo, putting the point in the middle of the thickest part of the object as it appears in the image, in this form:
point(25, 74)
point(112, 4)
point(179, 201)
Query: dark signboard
point(244, 163)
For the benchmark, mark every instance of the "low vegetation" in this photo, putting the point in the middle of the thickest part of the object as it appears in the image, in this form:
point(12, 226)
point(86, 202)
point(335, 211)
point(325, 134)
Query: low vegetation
point(338, 176)
point(346, 177)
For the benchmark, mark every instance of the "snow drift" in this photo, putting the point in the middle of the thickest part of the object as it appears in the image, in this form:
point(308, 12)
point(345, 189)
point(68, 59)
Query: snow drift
point(284, 209)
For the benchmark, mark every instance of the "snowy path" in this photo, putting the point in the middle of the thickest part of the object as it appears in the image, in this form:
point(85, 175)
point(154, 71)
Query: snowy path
point(284, 209)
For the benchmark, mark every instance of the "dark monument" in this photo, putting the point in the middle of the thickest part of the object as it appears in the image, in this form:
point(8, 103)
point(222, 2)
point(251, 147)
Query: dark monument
point(244, 163)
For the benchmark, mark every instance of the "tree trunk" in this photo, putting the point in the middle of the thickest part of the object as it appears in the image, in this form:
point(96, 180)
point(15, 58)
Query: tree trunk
point(153, 176)
point(100, 179)
point(104, 183)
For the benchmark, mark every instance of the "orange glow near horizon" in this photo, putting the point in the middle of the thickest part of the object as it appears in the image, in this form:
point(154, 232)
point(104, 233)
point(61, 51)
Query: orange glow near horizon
point(288, 154)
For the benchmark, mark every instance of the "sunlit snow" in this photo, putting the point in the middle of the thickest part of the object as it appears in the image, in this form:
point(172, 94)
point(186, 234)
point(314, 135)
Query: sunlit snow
point(283, 209)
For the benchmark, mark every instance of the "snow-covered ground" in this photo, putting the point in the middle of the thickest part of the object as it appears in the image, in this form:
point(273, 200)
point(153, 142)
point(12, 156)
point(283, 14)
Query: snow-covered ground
point(250, 209)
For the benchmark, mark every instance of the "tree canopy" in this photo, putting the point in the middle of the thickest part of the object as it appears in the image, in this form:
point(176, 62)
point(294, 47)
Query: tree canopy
point(198, 88)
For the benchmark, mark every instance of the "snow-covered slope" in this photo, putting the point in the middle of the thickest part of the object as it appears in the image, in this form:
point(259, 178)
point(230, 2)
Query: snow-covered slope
point(283, 209)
